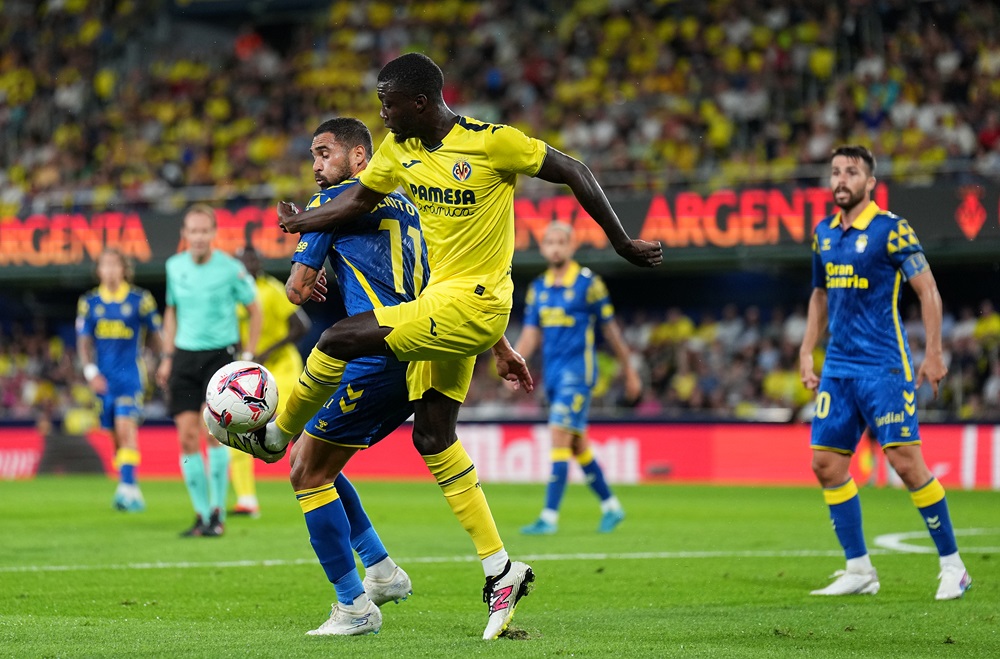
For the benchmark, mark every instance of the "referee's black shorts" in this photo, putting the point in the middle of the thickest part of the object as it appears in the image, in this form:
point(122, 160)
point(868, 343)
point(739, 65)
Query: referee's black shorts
point(189, 376)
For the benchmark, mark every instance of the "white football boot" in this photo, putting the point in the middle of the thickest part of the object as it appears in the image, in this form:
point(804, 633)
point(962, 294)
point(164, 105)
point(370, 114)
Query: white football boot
point(394, 589)
point(345, 623)
point(851, 583)
point(502, 593)
point(954, 582)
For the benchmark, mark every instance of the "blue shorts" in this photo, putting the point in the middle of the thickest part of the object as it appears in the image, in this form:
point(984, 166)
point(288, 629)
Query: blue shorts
point(119, 404)
point(370, 403)
point(845, 406)
point(569, 404)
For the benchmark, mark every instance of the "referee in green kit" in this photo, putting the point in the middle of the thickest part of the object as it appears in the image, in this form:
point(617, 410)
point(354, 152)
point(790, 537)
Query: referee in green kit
point(200, 335)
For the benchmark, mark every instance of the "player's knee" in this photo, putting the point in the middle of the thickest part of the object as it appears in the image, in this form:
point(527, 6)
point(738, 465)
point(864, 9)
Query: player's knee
point(304, 475)
point(332, 342)
point(825, 470)
point(430, 443)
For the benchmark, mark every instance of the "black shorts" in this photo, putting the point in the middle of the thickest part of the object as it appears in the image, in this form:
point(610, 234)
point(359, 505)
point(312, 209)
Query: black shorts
point(189, 376)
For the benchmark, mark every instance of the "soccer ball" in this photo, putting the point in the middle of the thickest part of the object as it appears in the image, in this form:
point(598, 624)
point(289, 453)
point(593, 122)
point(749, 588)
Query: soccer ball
point(242, 397)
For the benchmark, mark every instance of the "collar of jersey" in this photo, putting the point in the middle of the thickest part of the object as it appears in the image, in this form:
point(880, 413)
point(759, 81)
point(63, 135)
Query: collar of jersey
point(572, 271)
point(862, 221)
point(118, 295)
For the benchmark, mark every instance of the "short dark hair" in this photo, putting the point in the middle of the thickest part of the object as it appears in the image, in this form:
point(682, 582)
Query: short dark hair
point(857, 152)
point(349, 131)
point(413, 74)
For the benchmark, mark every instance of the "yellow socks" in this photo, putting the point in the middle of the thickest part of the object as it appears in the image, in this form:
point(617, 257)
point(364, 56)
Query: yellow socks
point(319, 380)
point(455, 473)
point(241, 474)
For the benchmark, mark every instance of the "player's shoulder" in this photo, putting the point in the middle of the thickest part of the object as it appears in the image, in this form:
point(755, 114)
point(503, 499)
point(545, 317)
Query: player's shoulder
point(90, 294)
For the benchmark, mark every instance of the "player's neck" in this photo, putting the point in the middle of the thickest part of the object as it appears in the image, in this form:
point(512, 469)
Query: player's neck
point(440, 124)
point(559, 271)
point(848, 215)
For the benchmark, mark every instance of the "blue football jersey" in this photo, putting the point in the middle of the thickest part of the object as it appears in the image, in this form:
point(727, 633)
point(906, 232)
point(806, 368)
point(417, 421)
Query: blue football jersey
point(566, 312)
point(862, 270)
point(118, 322)
point(379, 260)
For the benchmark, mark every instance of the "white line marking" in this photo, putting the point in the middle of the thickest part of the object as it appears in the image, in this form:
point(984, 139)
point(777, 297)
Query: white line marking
point(897, 541)
point(889, 543)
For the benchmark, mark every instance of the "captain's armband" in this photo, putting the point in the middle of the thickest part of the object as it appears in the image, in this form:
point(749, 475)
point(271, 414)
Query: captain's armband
point(915, 265)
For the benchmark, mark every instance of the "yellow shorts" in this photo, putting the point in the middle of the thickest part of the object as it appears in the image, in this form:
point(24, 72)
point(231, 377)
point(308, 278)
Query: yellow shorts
point(441, 333)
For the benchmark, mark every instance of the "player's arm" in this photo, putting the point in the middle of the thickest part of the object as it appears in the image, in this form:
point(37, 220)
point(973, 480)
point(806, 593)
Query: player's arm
point(562, 169)
point(816, 319)
point(613, 335)
point(350, 204)
point(933, 369)
point(297, 326)
point(511, 366)
point(167, 353)
point(255, 323)
point(305, 283)
point(88, 357)
point(528, 342)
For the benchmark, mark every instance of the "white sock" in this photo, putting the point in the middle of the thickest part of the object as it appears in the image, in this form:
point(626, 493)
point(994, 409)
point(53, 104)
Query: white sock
point(247, 501)
point(953, 560)
point(360, 603)
point(549, 516)
point(381, 570)
point(611, 503)
point(861, 564)
point(494, 564)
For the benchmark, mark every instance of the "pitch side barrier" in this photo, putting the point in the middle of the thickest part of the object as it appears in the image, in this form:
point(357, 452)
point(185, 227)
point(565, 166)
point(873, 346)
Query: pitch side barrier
point(961, 455)
point(723, 226)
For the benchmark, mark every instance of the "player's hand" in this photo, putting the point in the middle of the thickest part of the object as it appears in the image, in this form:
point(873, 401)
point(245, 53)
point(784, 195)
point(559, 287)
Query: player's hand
point(286, 211)
point(807, 373)
point(633, 386)
point(319, 289)
point(163, 372)
point(642, 253)
point(512, 368)
point(933, 370)
point(99, 385)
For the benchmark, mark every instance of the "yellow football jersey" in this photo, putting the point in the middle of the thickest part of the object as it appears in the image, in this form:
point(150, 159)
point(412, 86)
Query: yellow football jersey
point(276, 310)
point(464, 189)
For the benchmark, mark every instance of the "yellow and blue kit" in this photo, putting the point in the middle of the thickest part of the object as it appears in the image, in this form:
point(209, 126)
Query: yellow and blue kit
point(379, 260)
point(118, 322)
point(868, 376)
point(567, 312)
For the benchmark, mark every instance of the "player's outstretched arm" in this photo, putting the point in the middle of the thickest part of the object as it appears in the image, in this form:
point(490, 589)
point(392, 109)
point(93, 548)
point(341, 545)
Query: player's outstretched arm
point(933, 368)
point(815, 326)
point(562, 169)
point(348, 205)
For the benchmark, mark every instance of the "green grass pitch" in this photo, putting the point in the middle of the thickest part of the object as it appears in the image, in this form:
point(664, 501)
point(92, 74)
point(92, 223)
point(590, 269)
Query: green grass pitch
point(692, 572)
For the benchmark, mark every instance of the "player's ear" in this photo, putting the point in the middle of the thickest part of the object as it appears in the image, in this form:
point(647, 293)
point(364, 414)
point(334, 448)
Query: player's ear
point(870, 184)
point(420, 102)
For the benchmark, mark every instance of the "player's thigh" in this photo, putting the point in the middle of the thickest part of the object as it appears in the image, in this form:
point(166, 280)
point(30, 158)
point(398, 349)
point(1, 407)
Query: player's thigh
point(889, 406)
point(838, 423)
point(451, 378)
point(569, 405)
point(371, 402)
point(441, 324)
point(189, 377)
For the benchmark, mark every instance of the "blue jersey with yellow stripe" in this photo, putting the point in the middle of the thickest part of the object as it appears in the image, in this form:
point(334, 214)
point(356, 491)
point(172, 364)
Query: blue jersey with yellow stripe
point(118, 321)
point(566, 311)
point(862, 270)
point(379, 259)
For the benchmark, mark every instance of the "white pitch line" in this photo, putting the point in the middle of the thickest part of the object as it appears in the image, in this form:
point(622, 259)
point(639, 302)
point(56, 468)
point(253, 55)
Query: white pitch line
point(891, 543)
point(662, 555)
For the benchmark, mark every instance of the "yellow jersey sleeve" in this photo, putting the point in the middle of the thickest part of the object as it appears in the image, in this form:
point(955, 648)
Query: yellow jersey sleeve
point(511, 151)
point(380, 174)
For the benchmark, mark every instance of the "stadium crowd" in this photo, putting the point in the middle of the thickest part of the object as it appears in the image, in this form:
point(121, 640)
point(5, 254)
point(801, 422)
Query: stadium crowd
point(718, 364)
point(101, 104)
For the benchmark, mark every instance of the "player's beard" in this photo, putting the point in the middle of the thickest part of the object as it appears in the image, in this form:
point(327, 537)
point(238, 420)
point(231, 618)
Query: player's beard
point(853, 199)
